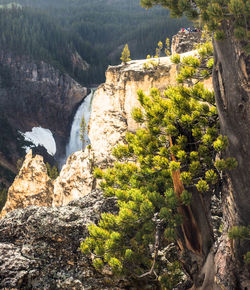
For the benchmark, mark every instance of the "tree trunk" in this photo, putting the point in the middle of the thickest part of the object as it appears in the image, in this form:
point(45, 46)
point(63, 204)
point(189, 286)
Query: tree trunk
point(221, 263)
point(232, 92)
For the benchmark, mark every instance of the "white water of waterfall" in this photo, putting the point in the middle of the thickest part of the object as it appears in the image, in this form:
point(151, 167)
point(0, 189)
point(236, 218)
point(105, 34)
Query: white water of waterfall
point(84, 111)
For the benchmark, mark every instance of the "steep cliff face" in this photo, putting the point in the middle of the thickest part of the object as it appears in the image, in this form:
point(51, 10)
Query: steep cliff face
point(34, 93)
point(119, 92)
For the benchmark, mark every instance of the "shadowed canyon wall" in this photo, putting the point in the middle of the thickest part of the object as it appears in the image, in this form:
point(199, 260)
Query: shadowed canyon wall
point(34, 93)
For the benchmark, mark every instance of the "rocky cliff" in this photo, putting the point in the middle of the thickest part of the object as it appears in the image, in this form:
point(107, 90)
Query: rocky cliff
point(33, 93)
point(109, 122)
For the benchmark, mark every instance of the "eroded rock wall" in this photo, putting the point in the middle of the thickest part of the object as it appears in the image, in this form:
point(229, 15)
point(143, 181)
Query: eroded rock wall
point(186, 41)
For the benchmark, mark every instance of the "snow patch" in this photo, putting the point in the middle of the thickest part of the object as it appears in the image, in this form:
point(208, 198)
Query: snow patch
point(43, 137)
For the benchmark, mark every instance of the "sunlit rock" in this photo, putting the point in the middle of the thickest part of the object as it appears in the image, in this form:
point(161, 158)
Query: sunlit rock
point(32, 186)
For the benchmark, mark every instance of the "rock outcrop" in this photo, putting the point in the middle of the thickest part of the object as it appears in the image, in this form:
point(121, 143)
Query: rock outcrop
point(115, 99)
point(39, 247)
point(76, 178)
point(184, 41)
point(32, 186)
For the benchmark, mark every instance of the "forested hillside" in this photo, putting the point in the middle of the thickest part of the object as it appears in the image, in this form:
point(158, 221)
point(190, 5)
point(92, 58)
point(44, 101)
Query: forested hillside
point(96, 29)
point(32, 33)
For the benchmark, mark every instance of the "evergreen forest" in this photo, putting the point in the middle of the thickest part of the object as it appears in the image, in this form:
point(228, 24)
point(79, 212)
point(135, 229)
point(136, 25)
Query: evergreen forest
point(96, 29)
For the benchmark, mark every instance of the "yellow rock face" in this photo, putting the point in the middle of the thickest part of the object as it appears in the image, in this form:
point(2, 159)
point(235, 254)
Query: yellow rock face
point(115, 99)
point(76, 178)
point(32, 186)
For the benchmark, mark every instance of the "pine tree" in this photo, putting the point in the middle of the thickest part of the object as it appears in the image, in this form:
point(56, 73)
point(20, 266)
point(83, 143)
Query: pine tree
point(125, 54)
point(82, 132)
point(52, 171)
point(3, 196)
point(167, 48)
point(176, 151)
point(158, 49)
point(228, 20)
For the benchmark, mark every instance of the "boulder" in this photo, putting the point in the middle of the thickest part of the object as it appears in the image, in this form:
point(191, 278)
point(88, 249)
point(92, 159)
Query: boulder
point(39, 246)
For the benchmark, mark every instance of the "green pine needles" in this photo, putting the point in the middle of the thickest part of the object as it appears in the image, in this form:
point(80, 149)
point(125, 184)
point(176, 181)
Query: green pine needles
point(125, 57)
point(178, 142)
point(52, 171)
point(241, 233)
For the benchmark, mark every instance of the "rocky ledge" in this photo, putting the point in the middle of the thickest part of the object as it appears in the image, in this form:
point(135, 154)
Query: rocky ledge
point(39, 246)
point(186, 41)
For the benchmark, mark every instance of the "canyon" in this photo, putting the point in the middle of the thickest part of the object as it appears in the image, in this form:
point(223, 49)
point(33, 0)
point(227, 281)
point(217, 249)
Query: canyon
point(110, 120)
point(42, 242)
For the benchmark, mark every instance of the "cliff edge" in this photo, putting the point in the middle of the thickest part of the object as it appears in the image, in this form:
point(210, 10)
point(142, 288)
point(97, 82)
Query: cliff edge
point(39, 246)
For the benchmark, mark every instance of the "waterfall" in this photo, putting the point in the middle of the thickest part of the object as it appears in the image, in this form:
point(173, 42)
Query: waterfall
point(83, 112)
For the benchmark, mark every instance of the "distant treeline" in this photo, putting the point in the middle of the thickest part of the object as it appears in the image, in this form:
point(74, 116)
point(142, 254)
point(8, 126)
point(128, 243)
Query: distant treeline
point(97, 29)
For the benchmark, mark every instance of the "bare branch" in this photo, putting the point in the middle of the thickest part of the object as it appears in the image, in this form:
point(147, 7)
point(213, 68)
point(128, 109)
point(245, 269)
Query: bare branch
point(156, 249)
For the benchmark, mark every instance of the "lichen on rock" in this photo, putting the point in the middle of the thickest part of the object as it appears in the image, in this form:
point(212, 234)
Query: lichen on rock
point(39, 246)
